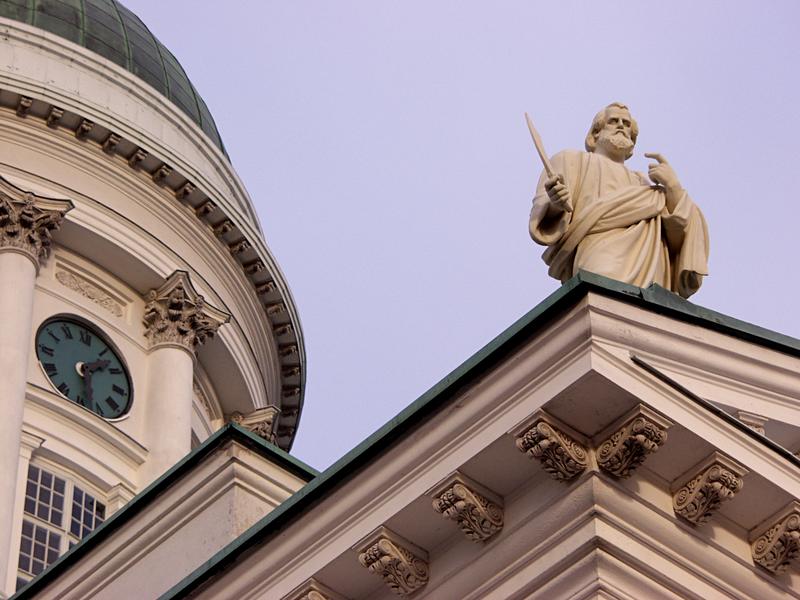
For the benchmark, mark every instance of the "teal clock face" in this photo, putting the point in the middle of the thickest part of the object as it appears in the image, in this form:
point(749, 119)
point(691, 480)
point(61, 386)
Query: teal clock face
point(84, 367)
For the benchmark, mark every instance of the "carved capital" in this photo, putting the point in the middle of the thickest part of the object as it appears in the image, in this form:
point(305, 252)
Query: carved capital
point(641, 433)
point(777, 547)
point(402, 566)
point(27, 222)
point(261, 422)
point(175, 314)
point(560, 455)
point(709, 484)
point(477, 515)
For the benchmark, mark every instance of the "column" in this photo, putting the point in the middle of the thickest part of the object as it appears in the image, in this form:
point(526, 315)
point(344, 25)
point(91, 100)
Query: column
point(26, 226)
point(177, 321)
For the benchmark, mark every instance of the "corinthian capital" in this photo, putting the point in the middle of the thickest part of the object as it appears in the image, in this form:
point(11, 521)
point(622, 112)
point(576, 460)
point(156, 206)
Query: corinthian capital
point(27, 222)
point(175, 314)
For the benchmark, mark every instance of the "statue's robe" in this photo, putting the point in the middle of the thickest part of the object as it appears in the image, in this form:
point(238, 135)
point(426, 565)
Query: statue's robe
point(620, 227)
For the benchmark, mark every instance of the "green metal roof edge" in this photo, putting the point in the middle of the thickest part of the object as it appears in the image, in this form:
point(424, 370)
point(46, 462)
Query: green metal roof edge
point(655, 297)
point(230, 432)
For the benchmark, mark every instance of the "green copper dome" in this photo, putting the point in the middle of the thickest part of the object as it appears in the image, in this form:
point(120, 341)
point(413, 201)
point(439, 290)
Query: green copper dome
point(112, 31)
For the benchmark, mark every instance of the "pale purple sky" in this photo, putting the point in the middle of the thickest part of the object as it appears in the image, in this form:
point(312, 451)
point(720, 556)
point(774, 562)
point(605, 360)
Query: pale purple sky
point(384, 146)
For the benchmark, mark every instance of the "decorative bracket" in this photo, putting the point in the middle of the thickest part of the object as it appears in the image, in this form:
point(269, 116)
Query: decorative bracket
point(175, 314)
point(706, 486)
point(560, 454)
point(401, 565)
point(478, 511)
point(753, 421)
point(27, 222)
point(260, 421)
point(778, 544)
point(635, 436)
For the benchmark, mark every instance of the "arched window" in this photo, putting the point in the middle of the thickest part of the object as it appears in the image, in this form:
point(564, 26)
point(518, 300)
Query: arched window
point(58, 512)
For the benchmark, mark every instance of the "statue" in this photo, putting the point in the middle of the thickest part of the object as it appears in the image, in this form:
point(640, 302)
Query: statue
point(594, 214)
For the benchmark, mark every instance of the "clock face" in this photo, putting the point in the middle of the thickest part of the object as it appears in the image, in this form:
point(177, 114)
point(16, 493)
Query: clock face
point(84, 367)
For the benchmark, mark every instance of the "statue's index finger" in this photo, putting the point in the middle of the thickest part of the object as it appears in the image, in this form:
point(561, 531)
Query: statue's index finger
point(656, 156)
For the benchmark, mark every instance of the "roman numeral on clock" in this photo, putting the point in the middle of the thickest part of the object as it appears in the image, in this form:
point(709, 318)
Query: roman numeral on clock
point(51, 369)
point(46, 349)
point(86, 337)
point(63, 388)
point(66, 331)
point(118, 389)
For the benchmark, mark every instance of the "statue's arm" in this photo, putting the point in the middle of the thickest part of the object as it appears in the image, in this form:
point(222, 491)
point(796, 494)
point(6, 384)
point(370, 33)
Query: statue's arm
point(552, 205)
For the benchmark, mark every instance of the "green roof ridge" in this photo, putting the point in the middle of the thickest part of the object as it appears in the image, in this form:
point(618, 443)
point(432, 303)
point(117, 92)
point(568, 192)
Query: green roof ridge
point(655, 297)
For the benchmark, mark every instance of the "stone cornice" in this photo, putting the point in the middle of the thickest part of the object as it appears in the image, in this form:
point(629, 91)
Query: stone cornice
point(27, 222)
point(242, 241)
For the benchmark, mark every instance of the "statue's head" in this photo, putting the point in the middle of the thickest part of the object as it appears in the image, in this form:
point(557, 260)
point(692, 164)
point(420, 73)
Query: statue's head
point(614, 130)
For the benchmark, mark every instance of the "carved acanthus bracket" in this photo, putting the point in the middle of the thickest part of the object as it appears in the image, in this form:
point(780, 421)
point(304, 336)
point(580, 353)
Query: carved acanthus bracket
point(641, 433)
point(401, 565)
point(470, 505)
point(27, 222)
point(175, 314)
point(261, 422)
point(313, 590)
point(777, 547)
point(707, 485)
point(560, 454)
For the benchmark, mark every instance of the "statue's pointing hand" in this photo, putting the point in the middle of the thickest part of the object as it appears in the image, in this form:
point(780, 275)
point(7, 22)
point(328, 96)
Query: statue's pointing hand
point(558, 193)
point(662, 172)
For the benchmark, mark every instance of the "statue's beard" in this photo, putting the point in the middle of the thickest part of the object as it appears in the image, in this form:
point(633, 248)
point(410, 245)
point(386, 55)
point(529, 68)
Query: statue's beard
point(616, 142)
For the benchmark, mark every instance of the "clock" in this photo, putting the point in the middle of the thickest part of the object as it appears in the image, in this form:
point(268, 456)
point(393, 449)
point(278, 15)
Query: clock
point(84, 367)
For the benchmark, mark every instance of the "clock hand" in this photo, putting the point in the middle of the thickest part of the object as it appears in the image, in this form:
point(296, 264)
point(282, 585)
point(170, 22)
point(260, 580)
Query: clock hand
point(97, 365)
point(87, 382)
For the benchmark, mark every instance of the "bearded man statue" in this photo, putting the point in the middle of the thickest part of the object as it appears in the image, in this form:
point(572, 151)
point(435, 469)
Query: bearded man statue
point(595, 214)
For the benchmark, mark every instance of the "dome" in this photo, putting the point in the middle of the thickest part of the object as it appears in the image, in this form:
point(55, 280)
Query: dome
point(109, 29)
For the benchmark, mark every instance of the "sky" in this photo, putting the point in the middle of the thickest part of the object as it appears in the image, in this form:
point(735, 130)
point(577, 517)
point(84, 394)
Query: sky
point(385, 149)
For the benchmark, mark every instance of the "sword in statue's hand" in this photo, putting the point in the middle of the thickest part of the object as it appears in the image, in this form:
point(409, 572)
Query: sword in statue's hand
point(548, 168)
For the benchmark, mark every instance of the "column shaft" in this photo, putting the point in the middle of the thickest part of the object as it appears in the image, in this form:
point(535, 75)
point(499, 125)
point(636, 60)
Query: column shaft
point(169, 408)
point(17, 280)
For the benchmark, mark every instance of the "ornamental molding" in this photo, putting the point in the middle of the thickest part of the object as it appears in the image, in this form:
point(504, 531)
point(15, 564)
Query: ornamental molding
point(27, 222)
point(402, 565)
point(627, 443)
point(559, 452)
point(706, 486)
point(260, 422)
point(313, 590)
point(89, 290)
point(477, 511)
point(194, 195)
point(175, 314)
point(778, 544)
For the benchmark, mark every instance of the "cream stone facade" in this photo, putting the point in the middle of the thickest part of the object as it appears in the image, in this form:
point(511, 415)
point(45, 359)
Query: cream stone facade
point(110, 195)
point(615, 442)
